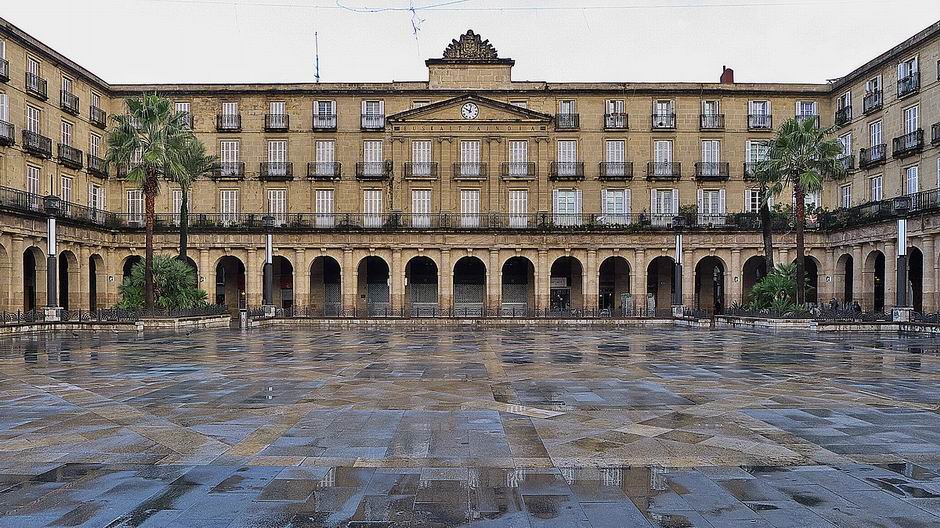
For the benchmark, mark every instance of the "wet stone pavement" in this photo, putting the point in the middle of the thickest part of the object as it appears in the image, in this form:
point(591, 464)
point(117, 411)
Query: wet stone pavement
point(468, 427)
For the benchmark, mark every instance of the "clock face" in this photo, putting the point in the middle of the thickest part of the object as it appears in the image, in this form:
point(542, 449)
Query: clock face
point(469, 111)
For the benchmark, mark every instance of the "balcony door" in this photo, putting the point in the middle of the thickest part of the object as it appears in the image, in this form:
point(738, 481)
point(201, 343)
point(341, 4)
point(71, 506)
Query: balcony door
point(33, 119)
point(470, 158)
point(567, 203)
point(518, 207)
point(518, 158)
point(230, 115)
point(228, 206)
point(421, 158)
point(372, 156)
point(323, 203)
point(662, 158)
point(616, 204)
point(277, 157)
point(711, 155)
point(911, 119)
point(228, 156)
point(874, 134)
point(711, 206)
point(421, 208)
point(664, 205)
point(469, 208)
point(325, 150)
point(277, 205)
point(567, 156)
point(614, 156)
point(372, 207)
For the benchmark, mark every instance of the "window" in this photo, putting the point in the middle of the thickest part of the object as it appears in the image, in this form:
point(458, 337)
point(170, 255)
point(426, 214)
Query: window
point(421, 208)
point(323, 204)
point(567, 107)
point(4, 108)
point(757, 151)
point(277, 157)
point(66, 85)
point(567, 157)
point(421, 158)
point(373, 114)
point(711, 156)
point(807, 110)
point(323, 165)
point(176, 205)
point(711, 206)
point(95, 100)
point(662, 158)
point(615, 205)
point(32, 66)
point(664, 203)
point(33, 119)
point(567, 205)
point(663, 114)
point(519, 158)
point(844, 101)
point(470, 158)
point(873, 85)
point(911, 119)
point(846, 140)
point(874, 188)
point(420, 103)
point(184, 108)
point(372, 156)
point(911, 179)
point(615, 114)
point(135, 206)
point(938, 173)
point(228, 158)
point(324, 114)
point(907, 68)
point(614, 157)
point(277, 118)
point(65, 189)
point(874, 134)
point(752, 200)
point(66, 138)
point(372, 207)
point(845, 196)
point(518, 207)
point(277, 205)
point(32, 185)
point(228, 206)
point(94, 145)
point(710, 114)
point(758, 114)
point(520, 103)
point(469, 208)
point(230, 118)
point(96, 199)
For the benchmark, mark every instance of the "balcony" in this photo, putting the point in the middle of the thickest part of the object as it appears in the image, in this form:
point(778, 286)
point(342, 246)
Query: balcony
point(809, 117)
point(848, 162)
point(324, 170)
point(908, 143)
point(37, 144)
point(616, 121)
point(228, 170)
point(97, 117)
point(36, 86)
point(934, 134)
point(615, 171)
point(70, 156)
point(97, 166)
point(567, 121)
point(711, 121)
point(276, 171)
point(873, 156)
point(909, 85)
point(324, 121)
point(420, 170)
point(872, 102)
point(664, 121)
point(470, 171)
point(518, 170)
point(69, 102)
point(566, 171)
point(7, 134)
point(372, 122)
point(4, 70)
point(843, 116)
point(187, 119)
point(374, 170)
point(663, 171)
point(228, 122)
point(760, 122)
point(712, 170)
point(276, 122)
point(750, 170)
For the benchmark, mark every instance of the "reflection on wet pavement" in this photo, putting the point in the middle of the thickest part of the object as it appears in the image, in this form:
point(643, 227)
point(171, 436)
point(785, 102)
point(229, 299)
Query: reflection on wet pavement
point(467, 427)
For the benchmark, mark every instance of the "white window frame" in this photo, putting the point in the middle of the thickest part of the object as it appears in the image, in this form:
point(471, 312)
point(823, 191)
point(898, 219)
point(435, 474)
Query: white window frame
point(876, 188)
point(372, 207)
point(615, 206)
point(135, 206)
point(324, 158)
point(421, 158)
point(911, 183)
point(323, 206)
point(566, 205)
point(845, 196)
point(421, 208)
point(470, 207)
point(711, 206)
point(228, 206)
point(615, 152)
point(519, 158)
point(664, 205)
point(518, 208)
point(229, 156)
point(277, 205)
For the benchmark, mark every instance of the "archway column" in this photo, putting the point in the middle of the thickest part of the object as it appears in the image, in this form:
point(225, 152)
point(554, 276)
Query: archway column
point(827, 287)
point(858, 274)
point(397, 280)
point(206, 276)
point(638, 287)
point(930, 274)
point(446, 276)
point(349, 279)
point(891, 278)
point(543, 272)
point(16, 283)
point(493, 282)
point(688, 277)
point(84, 271)
point(591, 279)
point(252, 278)
point(735, 278)
point(301, 278)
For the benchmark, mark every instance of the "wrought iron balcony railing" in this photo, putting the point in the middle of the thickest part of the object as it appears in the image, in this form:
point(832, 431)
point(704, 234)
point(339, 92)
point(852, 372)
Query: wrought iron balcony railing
point(843, 116)
point(873, 156)
point(374, 170)
point(872, 102)
point(711, 121)
point(664, 121)
point(37, 144)
point(97, 166)
point(760, 122)
point(469, 170)
point(616, 121)
point(36, 86)
point(935, 134)
point(276, 171)
point(7, 134)
point(69, 102)
point(663, 170)
point(228, 170)
point(4, 70)
point(567, 121)
point(372, 122)
point(567, 170)
point(228, 122)
point(70, 156)
point(276, 122)
point(97, 117)
point(809, 117)
point(187, 119)
point(750, 170)
point(324, 121)
point(324, 170)
point(615, 170)
point(712, 170)
point(420, 170)
point(908, 143)
point(848, 162)
point(518, 169)
point(909, 84)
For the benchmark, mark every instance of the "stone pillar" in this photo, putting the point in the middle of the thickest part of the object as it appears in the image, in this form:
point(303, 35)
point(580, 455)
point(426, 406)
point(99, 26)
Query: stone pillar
point(930, 275)
point(827, 283)
point(688, 278)
point(206, 279)
point(783, 256)
point(891, 278)
point(638, 287)
point(301, 278)
point(252, 278)
point(737, 279)
point(84, 271)
point(542, 285)
point(396, 287)
point(494, 282)
point(858, 281)
point(349, 277)
point(17, 294)
point(446, 163)
point(446, 291)
point(590, 276)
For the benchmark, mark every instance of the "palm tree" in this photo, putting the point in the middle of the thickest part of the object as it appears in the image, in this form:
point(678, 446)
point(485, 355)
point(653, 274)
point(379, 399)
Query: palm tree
point(194, 163)
point(769, 186)
point(803, 156)
point(148, 140)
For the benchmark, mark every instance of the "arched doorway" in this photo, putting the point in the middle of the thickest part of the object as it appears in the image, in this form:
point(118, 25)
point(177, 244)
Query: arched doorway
point(518, 287)
point(565, 292)
point(69, 281)
point(710, 285)
point(811, 270)
point(326, 286)
point(469, 287)
point(755, 269)
point(915, 279)
point(845, 279)
point(373, 287)
point(128, 265)
point(421, 287)
point(659, 285)
point(34, 278)
point(613, 287)
point(283, 270)
point(875, 280)
point(230, 283)
point(97, 277)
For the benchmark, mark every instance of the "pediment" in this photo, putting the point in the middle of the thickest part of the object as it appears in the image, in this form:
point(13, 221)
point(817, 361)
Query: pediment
point(490, 111)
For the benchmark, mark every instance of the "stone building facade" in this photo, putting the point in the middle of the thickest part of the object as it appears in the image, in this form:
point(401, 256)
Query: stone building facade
point(471, 190)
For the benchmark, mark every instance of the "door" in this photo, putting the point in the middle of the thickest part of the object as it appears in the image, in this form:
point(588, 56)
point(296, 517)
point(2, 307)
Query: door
point(567, 156)
point(372, 207)
point(614, 156)
point(278, 113)
point(33, 119)
point(421, 158)
point(324, 166)
point(470, 158)
point(228, 157)
point(711, 155)
point(469, 208)
point(372, 156)
point(277, 158)
point(665, 205)
point(66, 138)
point(421, 208)
point(230, 115)
point(711, 206)
point(662, 158)
point(323, 199)
point(277, 205)
point(616, 204)
point(911, 120)
point(567, 203)
point(518, 158)
point(228, 206)
point(518, 208)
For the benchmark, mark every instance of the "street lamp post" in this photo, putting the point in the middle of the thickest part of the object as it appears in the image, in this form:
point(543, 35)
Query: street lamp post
point(902, 309)
point(268, 269)
point(52, 311)
point(678, 222)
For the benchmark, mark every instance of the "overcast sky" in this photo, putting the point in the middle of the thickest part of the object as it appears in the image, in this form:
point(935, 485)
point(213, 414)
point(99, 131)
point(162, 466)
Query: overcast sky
point(129, 41)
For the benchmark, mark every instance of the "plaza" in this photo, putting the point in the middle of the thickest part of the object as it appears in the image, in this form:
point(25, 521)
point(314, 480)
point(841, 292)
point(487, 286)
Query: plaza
point(445, 427)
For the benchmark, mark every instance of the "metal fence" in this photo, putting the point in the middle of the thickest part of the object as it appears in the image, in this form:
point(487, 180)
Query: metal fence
point(458, 311)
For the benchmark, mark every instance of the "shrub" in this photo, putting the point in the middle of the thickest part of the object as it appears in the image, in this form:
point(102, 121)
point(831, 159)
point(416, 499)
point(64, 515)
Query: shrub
point(174, 286)
point(776, 291)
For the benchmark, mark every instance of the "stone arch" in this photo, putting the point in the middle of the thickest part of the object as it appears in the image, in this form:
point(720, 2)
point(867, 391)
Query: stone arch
point(69, 288)
point(421, 286)
point(373, 288)
point(844, 279)
point(230, 282)
point(710, 284)
point(326, 289)
point(613, 281)
point(811, 269)
point(469, 286)
point(34, 278)
point(283, 270)
point(754, 269)
point(566, 293)
point(660, 284)
point(128, 263)
point(518, 286)
point(97, 281)
point(874, 280)
point(915, 279)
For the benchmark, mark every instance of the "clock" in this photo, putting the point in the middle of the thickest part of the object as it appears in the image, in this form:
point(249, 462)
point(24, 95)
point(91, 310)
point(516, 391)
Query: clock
point(469, 111)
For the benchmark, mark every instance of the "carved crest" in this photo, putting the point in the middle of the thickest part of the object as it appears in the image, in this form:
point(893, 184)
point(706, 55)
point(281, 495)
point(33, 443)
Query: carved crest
point(470, 46)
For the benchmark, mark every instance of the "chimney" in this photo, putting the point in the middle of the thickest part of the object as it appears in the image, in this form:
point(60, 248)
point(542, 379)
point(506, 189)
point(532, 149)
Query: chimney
point(727, 75)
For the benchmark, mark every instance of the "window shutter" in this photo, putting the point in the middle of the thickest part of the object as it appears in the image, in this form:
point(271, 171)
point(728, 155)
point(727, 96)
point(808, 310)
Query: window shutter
point(721, 202)
point(4, 108)
point(382, 107)
point(675, 201)
point(626, 201)
point(604, 201)
point(700, 200)
point(653, 201)
point(555, 204)
point(577, 204)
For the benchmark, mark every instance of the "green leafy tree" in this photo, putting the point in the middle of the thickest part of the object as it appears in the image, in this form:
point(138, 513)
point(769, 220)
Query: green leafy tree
point(175, 285)
point(148, 141)
point(802, 157)
point(194, 163)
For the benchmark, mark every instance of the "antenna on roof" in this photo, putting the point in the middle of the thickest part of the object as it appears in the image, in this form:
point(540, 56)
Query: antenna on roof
point(316, 44)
